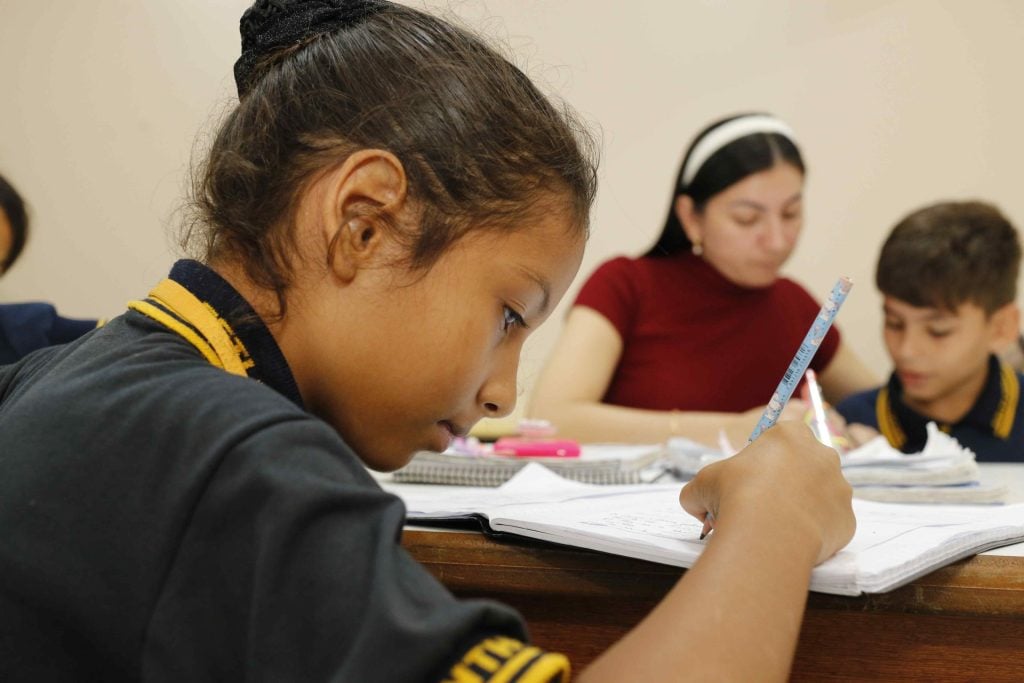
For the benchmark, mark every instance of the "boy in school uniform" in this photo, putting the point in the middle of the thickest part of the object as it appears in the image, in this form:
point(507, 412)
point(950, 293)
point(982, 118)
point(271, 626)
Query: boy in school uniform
point(948, 275)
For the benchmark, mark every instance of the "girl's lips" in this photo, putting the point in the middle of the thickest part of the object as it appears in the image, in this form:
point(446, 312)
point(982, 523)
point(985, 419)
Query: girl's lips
point(445, 434)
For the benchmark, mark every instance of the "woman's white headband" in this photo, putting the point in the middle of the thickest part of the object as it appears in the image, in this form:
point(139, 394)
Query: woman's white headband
point(730, 132)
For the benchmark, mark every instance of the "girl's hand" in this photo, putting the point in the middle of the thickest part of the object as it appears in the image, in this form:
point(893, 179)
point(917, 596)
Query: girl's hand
point(787, 475)
point(739, 429)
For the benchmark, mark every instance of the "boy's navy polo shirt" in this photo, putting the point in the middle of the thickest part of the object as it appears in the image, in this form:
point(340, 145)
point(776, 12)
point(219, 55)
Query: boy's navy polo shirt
point(993, 428)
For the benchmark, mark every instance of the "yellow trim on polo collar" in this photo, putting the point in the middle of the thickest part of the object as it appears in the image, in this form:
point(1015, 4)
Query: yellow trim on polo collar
point(1002, 422)
point(887, 422)
point(172, 305)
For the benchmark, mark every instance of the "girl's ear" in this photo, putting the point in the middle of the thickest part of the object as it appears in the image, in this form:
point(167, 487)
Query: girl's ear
point(687, 215)
point(363, 195)
point(1004, 325)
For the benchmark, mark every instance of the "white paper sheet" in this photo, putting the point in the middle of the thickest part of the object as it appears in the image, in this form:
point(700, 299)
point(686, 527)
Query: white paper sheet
point(893, 544)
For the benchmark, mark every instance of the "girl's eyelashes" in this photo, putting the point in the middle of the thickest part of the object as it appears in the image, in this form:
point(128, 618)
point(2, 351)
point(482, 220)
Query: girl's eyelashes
point(511, 319)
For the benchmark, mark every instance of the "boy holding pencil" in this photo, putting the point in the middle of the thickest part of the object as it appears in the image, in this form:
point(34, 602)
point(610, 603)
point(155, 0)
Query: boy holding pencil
point(948, 276)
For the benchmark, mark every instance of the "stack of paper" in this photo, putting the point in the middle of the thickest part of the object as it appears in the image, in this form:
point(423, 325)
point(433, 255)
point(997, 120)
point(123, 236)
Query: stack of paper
point(893, 545)
point(944, 472)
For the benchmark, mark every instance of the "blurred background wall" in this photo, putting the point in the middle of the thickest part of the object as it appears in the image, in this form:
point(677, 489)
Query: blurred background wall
point(896, 103)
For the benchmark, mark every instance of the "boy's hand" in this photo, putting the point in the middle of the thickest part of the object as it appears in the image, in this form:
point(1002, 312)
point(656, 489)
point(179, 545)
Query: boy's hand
point(786, 475)
point(859, 434)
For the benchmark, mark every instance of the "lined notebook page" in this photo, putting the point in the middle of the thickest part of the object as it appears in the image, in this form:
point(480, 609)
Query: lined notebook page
point(893, 544)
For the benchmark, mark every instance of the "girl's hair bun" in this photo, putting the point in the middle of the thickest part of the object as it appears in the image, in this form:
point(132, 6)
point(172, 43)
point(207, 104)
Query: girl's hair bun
point(270, 25)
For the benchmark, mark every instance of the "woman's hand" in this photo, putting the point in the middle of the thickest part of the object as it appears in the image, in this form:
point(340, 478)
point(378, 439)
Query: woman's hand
point(787, 474)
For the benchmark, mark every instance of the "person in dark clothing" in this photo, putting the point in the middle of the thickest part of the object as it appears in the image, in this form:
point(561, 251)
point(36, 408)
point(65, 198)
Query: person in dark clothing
point(386, 214)
point(25, 327)
point(948, 277)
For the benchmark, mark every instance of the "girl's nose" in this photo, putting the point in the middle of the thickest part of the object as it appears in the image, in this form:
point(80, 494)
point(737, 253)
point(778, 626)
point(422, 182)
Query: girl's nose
point(497, 396)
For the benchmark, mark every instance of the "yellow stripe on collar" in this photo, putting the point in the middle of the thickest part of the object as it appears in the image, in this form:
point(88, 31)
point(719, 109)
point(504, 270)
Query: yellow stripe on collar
point(887, 422)
point(1002, 422)
point(216, 339)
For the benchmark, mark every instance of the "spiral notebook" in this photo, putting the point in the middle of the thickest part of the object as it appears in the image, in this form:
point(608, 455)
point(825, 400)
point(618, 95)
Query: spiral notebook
point(596, 464)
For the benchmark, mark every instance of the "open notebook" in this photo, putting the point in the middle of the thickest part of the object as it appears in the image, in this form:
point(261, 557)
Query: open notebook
point(893, 545)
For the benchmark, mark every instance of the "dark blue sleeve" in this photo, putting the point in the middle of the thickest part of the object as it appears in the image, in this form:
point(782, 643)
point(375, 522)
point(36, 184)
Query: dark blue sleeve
point(860, 408)
point(69, 329)
point(26, 327)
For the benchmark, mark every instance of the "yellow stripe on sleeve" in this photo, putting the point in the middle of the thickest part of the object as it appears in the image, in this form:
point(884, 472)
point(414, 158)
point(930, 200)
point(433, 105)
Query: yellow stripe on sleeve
point(533, 665)
point(503, 660)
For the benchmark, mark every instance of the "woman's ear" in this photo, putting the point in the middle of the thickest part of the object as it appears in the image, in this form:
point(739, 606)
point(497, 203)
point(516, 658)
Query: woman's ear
point(687, 214)
point(363, 197)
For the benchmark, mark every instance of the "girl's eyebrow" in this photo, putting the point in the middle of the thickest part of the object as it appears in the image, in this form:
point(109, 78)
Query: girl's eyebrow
point(545, 287)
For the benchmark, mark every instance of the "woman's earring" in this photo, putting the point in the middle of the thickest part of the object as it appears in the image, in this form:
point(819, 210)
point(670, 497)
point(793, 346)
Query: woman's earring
point(697, 248)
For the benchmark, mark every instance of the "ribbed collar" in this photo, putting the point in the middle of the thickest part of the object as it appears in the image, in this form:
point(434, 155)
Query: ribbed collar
point(996, 405)
point(269, 364)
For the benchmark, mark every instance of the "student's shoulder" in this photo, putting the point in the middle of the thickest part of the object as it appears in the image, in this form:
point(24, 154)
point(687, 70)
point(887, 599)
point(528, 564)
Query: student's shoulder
point(635, 273)
point(860, 407)
point(26, 310)
point(154, 381)
point(616, 267)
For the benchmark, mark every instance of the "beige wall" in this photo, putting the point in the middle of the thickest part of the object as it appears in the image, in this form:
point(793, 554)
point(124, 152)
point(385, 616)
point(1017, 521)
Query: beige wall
point(896, 103)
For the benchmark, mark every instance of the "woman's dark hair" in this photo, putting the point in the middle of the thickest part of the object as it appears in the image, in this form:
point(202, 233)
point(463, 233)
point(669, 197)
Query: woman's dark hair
point(481, 146)
point(14, 207)
point(727, 166)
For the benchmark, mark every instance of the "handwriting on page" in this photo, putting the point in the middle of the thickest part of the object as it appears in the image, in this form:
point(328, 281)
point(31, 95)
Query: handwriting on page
point(638, 514)
point(675, 527)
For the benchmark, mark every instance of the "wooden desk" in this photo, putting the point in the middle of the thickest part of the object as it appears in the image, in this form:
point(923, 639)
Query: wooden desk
point(964, 622)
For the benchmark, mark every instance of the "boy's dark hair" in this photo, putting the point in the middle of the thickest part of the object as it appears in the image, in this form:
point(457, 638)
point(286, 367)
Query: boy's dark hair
point(482, 147)
point(727, 166)
point(951, 253)
point(14, 207)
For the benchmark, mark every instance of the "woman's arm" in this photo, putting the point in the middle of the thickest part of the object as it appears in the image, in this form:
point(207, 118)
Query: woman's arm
point(846, 375)
point(576, 377)
point(781, 506)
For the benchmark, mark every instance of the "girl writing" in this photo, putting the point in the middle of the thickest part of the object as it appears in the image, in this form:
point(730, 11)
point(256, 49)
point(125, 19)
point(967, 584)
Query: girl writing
point(386, 214)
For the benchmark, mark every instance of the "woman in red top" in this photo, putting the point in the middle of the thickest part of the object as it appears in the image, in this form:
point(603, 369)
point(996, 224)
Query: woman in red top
point(693, 336)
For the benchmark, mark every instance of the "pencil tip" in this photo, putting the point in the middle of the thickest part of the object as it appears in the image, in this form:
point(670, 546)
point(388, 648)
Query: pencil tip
point(703, 535)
